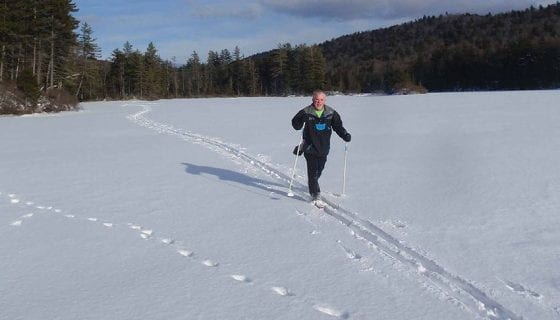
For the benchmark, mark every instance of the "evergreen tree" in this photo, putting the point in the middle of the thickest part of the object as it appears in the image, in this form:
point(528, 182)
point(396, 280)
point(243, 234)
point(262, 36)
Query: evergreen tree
point(279, 69)
point(88, 52)
point(237, 72)
point(62, 38)
point(152, 76)
point(28, 86)
point(116, 77)
point(224, 72)
point(212, 73)
point(194, 75)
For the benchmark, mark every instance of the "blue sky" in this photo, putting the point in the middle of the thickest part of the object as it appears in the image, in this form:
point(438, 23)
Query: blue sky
point(179, 27)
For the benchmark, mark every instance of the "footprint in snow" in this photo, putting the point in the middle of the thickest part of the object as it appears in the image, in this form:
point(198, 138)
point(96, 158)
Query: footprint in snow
point(398, 224)
point(328, 310)
point(240, 278)
point(420, 268)
point(92, 219)
point(14, 201)
point(185, 253)
point(108, 225)
point(351, 254)
point(274, 196)
point(167, 241)
point(282, 291)
point(146, 234)
point(210, 263)
point(519, 289)
point(16, 223)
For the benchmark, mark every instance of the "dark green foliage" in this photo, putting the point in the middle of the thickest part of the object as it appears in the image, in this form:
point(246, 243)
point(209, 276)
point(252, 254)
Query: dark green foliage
point(37, 42)
point(28, 86)
point(516, 50)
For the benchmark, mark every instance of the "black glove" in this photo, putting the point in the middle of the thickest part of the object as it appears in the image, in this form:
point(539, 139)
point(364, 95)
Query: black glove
point(300, 150)
point(347, 137)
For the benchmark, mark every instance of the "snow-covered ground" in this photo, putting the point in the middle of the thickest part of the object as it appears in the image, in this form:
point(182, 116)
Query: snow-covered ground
point(178, 210)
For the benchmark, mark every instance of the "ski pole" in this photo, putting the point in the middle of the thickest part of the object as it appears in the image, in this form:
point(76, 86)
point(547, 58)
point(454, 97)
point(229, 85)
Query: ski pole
point(290, 193)
point(344, 172)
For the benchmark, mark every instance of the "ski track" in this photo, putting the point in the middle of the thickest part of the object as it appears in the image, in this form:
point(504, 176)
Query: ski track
point(178, 246)
point(453, 286)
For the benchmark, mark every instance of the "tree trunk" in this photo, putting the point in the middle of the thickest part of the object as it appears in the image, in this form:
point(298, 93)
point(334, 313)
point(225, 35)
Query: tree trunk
point(82, 76)
point(52, 54)
point(34, 63)
point(39, 65)
point(2, 62)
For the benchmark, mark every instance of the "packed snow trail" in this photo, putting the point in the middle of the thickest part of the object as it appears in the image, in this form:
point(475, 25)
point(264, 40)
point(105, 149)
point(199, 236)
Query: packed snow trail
point(454, 286)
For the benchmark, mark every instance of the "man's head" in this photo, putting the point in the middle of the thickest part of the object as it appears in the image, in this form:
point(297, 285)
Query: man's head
point(319, 98)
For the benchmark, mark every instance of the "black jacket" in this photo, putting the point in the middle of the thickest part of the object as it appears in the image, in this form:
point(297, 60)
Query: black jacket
point(317, 131)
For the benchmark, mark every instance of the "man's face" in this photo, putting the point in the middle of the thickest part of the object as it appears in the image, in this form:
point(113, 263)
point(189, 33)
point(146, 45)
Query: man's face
point(319, 101)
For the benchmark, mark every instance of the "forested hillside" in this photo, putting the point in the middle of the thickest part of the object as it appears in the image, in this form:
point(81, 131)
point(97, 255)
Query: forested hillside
point(515, 50)
point(37, 54)
point(49, 60)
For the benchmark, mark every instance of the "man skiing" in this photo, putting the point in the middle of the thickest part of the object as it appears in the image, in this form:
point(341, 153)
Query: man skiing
point(319, 120)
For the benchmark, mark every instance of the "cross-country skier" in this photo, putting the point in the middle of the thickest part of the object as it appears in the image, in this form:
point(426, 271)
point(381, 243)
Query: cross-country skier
point(319, 119)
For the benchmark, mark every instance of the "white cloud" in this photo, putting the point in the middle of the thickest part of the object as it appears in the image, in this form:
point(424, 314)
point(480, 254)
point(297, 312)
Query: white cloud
point(392, 9)
point(224, 10)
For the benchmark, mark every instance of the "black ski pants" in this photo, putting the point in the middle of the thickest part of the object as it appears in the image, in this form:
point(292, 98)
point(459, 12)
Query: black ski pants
point(315, 166)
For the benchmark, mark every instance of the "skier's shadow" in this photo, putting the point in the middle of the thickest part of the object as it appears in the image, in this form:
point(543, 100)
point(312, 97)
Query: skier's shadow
point(275, 190)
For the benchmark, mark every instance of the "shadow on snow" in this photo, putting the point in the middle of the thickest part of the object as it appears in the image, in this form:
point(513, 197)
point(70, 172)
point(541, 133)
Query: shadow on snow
point(240, 178)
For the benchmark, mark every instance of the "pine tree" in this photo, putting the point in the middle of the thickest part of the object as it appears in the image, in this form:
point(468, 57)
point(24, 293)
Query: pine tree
point(237, 71)
point(132, 70)
point(212, 69)
point(152, 78)
point(318, 68)
point(88, 52)
point(62, 37)
point(194, 75)
point(116, 79)
point(278, 69)
point(307, 70)
point(224, 72)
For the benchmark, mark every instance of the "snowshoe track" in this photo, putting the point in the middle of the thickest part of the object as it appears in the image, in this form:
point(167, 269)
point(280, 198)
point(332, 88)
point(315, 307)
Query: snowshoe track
point(178, 247)
point(454, 286)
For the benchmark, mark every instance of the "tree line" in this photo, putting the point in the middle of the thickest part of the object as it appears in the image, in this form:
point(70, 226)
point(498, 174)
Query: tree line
point(132, 73)
point(514, 50)
point(46, 52)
